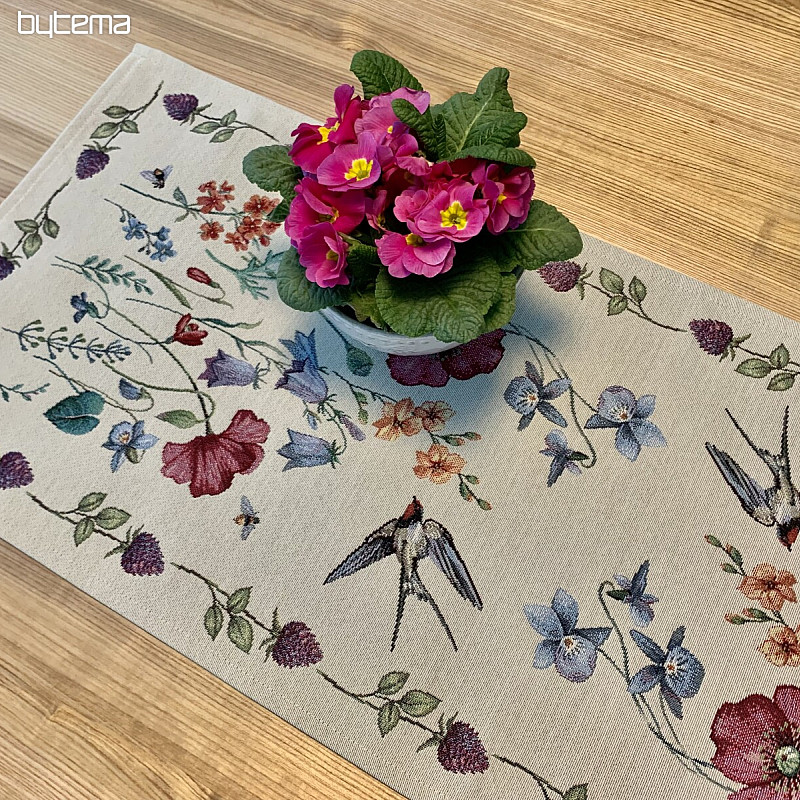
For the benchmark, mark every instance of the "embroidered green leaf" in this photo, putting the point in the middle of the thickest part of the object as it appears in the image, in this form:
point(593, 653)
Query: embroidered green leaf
point(452, 308)
point(223, 135)
point(380, 73)
point(754, 368)
point(116, 112)
point(464, 491)
point(179, 196)
point(577, 792)
point(27, 225)
point(473, 479)
point(180, 418)
point(483, 505)
point(90, 502)
point(104, 130)
point(637, 289)
point(240, 632)
point(781, 381)
point(129, 126)
point(83, 530)
point(213, 621)
point(228, 119)
point(617, 304)
point(50, 228)
point(617, 594)
point(417, 703)
point(546, 235)
point(388, 717)
point(730, 569)
point(111, 518)
point(76, 414)
point(238, 600)
point(432, 742)
point(779, 357)
point(359, 362)
point(298, 292)
point(30, 244)
point(206, 127)
point(611, 282)
point(392, 682)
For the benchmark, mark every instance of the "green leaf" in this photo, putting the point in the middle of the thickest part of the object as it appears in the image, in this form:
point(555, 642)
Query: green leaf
point(30, 244)
point(617, 594)
point(452, 306)
point(50, 228)
point(388, 717)
point(380, 73)
point(27, 225)
point(298, 292)
point(104, 130)
point(779, 357)
point(206, 127)
point(359, 362)
point(223, 135)
point(781, 381)
point(179, 196)
point(228, 118)
point(90, 502)
point(424, 125)
point(577, 792)
point(111, 518)
point(503, 304)
point(417, 703)
point(116, 112)
point(238, 600)
point(129, 126)
point(637, 289)
point(754, 368)
point(730, 569)
point(271, 169)
point(363, 263)
point(83, 530)
point(76, 414)
point(392, 682)
point(180, 418)
point(432, 742)
point(616, 305)
point(611, 282)
point(546, 235)
point(495, 152)
point(213, 621)
point(240, 632)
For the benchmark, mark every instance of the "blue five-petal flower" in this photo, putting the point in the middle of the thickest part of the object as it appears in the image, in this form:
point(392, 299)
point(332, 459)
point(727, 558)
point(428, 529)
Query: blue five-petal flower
point(529, 393)
point(128, 440)
point(641, 603)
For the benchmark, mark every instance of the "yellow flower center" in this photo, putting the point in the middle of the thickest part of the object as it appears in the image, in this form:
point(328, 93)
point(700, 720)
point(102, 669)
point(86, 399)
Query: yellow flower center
point(414, 240)
point(332, 255)
point(501, 198)
point(454, 216)
point(359, 170)
point(326, 132)
point(124, 438)
point(329, 217)
point(390, 129)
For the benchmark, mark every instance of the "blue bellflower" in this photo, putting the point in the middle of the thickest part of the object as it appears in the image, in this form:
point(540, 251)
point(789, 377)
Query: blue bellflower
point(572, 650)
point(529, 393)
point(225, 370)
point(302, 348)
point(304, 450)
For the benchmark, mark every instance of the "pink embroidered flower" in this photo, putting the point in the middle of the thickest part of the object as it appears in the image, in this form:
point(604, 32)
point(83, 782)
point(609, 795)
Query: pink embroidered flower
point(324, 255)
point(208, 463)
point(412, 255)
point(351, 166)
point(509, 194)
point(380, 120)
point(453, 212)
point(315, 203)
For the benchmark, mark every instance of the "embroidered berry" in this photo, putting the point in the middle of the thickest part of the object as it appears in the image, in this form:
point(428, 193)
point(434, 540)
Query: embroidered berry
point(461, 750)
point(90, 162)
point(6, 267)
point(15, 471)
point(713, 336)
point(180, 106)
point(561, 275)
point(296, 646)
point(143, 556)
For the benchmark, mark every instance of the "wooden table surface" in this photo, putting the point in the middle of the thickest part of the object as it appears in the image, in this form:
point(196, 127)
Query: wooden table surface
point(670, 127)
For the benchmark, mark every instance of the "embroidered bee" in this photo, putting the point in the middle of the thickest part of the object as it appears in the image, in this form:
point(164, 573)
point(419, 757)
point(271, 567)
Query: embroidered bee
point(248, 518)
point(158, 177)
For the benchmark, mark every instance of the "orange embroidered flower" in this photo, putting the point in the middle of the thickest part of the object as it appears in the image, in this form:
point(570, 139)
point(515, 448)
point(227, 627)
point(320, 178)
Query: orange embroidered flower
point(212, 201)
point(210, 230)
point(438, 464)
point(769, 586)
point(237, 240)
point(226, 189)
point(398, 418)
point(782, 647)
point(208, 186)
point(259, 205)
point(249, 228)
point(433, 414)
point(268, 228)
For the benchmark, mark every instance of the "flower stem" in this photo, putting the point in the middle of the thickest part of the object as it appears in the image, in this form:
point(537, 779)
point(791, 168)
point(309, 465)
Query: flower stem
point(64, 515)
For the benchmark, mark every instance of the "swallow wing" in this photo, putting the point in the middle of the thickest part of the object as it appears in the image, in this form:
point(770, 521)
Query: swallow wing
point(377, 545)
point(752, 497)
point(443, 553)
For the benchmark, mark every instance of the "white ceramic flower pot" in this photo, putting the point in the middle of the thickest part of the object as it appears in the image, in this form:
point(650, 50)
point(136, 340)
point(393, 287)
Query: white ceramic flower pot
point(385, 341)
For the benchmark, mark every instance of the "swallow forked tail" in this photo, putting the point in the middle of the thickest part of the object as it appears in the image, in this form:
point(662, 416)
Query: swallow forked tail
point(413, 585)
point(775, 462)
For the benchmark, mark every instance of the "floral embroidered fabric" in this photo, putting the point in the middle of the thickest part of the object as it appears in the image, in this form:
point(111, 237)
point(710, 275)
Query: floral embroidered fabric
point(468, 573)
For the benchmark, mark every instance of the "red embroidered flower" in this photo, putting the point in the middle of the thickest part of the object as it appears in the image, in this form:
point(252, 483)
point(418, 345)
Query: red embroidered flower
point(249, 228)
point(188, 332)
point(259, 205)
point(208, 463)
point(210, 230)
point(208, 186)
point(214, 199)
point(199, 275)
point(480, 356)
point(758, 745)
point(237, 240)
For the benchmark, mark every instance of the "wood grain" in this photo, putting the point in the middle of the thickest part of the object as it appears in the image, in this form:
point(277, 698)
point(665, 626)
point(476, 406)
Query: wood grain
point(668, 127)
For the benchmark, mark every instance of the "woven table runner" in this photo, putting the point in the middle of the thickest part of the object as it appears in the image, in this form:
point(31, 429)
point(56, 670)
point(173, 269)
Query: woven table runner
point(599, 494)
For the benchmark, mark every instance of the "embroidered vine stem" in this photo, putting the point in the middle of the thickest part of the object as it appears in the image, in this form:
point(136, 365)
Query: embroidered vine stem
point(635, 308)
point(42, 215)
point(171, 284)
point(81, 516)
point(185, 207)
point(136, 113)
point(237, 125)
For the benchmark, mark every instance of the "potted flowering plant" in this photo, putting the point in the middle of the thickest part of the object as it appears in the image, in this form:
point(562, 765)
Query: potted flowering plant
point(410, 223)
